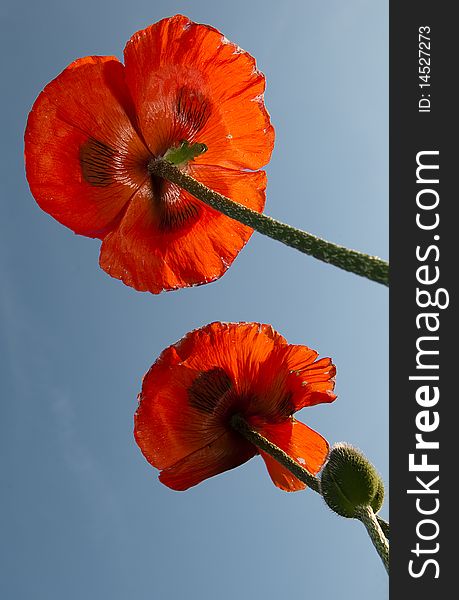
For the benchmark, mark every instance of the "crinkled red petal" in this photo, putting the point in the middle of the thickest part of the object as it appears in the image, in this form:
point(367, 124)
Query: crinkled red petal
point(223, 454)
point(167, 427)
point(168, 239)
point(304, 445)
point(84, 159)
point(291, 378)
point(177, 432)
point(189, 82)
point(168, 424)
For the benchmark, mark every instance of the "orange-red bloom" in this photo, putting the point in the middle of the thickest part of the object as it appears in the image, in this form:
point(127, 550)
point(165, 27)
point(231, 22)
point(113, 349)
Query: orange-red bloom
point(189, 395)
point(94, 129)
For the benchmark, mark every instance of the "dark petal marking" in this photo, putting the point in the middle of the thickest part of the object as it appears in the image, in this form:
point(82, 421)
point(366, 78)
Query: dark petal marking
point(286, 406)
point(273, 409)
point(174, 210)
point(96, 159)
point(208, 389)
point(192, 110)
point(173, 218)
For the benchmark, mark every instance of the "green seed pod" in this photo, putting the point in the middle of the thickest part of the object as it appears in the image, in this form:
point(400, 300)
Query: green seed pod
point(349, 480)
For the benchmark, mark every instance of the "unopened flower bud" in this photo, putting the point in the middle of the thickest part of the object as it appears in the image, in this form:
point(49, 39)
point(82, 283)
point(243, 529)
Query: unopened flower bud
point(349, 480)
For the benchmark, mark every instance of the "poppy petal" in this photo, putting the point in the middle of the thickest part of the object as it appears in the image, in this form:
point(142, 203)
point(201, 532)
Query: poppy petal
point(238, 348)
point(168, 239)
point(276, 390)
point(84, 159)
point(313, 384)
point(304, 445)
point(167, 426)
point(189, 82)
point(298, 380)
point(281, 476)
point(225, 453)
point(289, 379)
point(170, 422)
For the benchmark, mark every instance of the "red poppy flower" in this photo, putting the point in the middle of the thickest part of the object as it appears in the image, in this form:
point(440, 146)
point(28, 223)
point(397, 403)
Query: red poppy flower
point(190, 394)
point(94, 129)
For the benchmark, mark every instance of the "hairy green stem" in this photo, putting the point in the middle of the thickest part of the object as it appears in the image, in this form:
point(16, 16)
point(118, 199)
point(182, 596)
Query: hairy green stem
point(282, 457)
point(371, 267)
point(384, 526)
point(375, 526)
point(366, 515)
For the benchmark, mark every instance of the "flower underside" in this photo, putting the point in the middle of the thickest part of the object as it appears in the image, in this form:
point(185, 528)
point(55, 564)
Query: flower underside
point(191, 395)
point(185, 94)
point(98, 162)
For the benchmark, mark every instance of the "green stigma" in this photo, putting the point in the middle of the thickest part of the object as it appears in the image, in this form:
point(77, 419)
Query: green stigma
point(182, 154)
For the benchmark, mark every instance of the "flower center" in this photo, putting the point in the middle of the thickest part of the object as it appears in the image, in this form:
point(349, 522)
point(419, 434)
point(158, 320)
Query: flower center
point(175, 208)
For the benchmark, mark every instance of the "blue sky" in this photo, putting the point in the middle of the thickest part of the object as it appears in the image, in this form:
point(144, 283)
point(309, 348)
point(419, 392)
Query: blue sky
point(82, 513)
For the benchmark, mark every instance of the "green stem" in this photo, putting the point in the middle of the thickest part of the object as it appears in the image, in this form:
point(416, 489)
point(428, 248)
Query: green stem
point(371, 267)
point(282, 457)
point(384, 526)
point(368, 518)
point(374, 524)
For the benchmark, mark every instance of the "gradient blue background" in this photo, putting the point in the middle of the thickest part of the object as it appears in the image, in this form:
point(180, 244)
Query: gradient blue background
point(83, 515)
